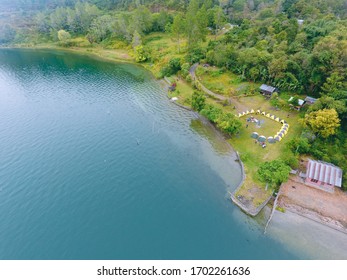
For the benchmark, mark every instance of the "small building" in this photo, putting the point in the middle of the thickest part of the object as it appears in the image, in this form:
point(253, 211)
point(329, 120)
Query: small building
point(310, 100)
point(322, 175)
point(299, 104)
point(300, 21)
point(267, 90)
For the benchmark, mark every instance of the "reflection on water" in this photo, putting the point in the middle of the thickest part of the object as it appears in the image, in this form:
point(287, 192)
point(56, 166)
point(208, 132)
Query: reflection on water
point(206, 130)
point(97, 163)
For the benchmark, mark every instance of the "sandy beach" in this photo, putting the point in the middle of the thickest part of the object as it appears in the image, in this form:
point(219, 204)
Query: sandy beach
point(314, 222)
point(310, 239)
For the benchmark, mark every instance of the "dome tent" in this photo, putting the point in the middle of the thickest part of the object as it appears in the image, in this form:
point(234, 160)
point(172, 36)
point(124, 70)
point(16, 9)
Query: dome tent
point(255, 135)
point(262, 138)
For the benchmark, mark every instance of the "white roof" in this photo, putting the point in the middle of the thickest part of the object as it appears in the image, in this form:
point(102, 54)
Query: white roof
point(324, 172)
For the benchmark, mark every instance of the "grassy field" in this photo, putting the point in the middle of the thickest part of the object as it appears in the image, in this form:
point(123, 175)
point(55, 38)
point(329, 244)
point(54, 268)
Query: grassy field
point(253, 155)
point(223, 82)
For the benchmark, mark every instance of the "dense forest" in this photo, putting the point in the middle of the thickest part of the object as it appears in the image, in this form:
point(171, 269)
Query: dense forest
point(296, 45)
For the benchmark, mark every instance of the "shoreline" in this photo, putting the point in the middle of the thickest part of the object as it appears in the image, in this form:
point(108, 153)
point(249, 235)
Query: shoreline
point(309, 238)
point(162, 81)
point(99, 54)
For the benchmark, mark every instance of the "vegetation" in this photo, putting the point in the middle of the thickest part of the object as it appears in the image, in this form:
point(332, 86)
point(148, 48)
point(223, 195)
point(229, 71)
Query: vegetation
point(298, 46)
point(226, 122)
point(324, 122)
point(198, 101)
point(274, 173)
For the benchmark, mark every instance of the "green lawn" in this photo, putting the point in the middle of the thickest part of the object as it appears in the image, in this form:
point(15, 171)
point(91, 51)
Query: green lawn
point(223, 82)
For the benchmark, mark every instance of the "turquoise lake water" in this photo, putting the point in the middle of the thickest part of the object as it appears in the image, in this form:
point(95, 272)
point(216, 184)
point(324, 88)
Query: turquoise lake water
point(97, 163)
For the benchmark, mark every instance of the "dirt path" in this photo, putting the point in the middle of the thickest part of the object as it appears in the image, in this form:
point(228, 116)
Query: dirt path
point(238, 105)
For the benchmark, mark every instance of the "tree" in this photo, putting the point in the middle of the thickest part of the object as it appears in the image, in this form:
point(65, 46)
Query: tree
point(324, 122)
point(58, 19)
point(335, 87)
point(63, 36)
point(177, 29)
point(273, 172)
point(229, 123)
point(211, 113)
point(140, 54)
point(299, 145)
point(99, 29)
point(7, 34)
point(172, 68)
point(198, 101)
point(327, 102)
point(142, 20)
point(137, 41)
point(196, 23)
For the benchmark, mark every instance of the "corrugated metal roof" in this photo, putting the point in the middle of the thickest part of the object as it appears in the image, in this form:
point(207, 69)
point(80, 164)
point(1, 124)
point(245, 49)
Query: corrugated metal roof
point(324, 172)
point(267, 88)
point(310, 99)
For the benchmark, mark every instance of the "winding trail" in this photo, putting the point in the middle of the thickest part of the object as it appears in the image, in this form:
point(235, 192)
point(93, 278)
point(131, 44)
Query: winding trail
point(238, 106)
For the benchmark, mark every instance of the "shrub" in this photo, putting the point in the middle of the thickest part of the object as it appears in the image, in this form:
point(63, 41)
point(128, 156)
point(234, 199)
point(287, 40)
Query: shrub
point(226, 122)
point(172, 68)
point(290, 159)
point(211, 113)
point(198, 101)
point(188, 78)
point(299, 145)
point(63, 36)
point(185, 69)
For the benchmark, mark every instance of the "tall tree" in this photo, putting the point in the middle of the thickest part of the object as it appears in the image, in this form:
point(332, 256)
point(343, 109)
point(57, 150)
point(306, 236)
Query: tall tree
point(177, 29)
point(323, 122)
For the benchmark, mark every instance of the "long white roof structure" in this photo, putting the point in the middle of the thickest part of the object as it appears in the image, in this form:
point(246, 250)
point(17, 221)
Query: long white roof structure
point(324, 172)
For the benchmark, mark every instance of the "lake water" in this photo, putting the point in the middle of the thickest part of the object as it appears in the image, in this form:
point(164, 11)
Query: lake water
point(97, 163)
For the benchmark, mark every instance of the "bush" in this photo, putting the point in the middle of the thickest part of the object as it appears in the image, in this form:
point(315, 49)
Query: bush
point(172, 68)
point(299, 145)
point(63, 36)
point(198, 101)
point(226, 122)
point(211, 113)
point(195, 55)
point(229, 123)
point(140, 54)
point(290, 159)
point(185, 69)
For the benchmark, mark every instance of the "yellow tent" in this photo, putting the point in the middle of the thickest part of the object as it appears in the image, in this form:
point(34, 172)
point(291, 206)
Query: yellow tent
point(277, 119)
point(252, 111)
point(247, 112)
point(285, 131)
point(263, 113)
point(283, 121)
point(272, 117)
point(258, 111)
point(268, 115)
point(240, 115)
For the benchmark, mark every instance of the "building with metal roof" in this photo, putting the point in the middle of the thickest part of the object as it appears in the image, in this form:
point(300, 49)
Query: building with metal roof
point(267, 90)
point(323, 175)
point(310, 100)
